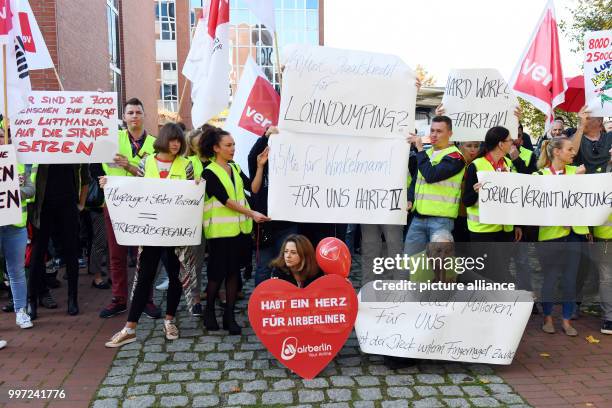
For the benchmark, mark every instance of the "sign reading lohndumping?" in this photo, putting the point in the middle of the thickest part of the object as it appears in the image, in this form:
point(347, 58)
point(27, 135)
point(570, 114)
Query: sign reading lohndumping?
point(477, 100)
point(155, 212)
point(67, 127)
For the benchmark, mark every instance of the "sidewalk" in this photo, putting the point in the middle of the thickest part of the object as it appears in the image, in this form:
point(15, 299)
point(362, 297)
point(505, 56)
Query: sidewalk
point(215, 369)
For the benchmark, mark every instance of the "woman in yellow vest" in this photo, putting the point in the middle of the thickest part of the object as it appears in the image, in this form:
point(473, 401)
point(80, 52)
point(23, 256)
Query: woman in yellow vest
point(13, 241)
point(561, 254)
point(167, 162)
point(227, 221)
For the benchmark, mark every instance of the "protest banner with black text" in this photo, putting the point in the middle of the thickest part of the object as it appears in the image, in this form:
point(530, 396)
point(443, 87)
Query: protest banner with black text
point(10, 196)
point(476, 100)
point(479, 326)
point(598, 72)
point(67, 127)
point(354, 93)
point(337, 179)
point(523, 199)
point(155, 212)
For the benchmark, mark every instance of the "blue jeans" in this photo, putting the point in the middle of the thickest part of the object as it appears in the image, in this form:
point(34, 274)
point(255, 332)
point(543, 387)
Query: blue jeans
point(266, 255)
point(421, 229)
point(13, 243)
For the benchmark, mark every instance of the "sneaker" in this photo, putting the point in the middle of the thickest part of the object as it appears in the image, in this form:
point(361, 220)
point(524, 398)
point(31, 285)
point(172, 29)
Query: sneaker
point(9, 307)
point(548, 327)
point(606, 327)
point(164, 285)
point(82, 263)
point(152, 311)
point(23, 319)
point(570, 331)
point(170, 330)
point(2, 344)
point(113, 309)
point(47, 301)
point(121, 338)
point(196, 310)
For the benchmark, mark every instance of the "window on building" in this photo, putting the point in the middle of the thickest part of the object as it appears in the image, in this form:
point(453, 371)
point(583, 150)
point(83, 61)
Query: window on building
point(114, 51)
point(165, 18)
point(168, 89)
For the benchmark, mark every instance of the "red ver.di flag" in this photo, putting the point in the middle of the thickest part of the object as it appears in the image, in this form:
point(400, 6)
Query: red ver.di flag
point(304, 328)
point(254, 109)
point(33, 41)
point(538, 77)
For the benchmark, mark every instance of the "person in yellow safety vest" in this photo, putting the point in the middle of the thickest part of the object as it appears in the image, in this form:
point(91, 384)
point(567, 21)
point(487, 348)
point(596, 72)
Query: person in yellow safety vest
point(496, 146)
point(562, 252)
point(469, 150)
point(435, 191)
point(13, 241)
point(134, 144)
point(227, 221)
point(167, 163)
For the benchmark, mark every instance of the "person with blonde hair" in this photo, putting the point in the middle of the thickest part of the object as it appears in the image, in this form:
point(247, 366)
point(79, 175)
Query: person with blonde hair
point(561, 254)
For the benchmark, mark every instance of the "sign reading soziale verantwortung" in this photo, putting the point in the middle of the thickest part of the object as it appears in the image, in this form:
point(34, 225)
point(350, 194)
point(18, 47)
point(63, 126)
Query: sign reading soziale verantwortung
point(155, 212)
point(10, 198)
point(67, 127)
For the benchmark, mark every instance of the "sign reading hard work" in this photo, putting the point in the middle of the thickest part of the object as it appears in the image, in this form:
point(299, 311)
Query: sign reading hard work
point(337, 179)
point(477, 100)
point(155, 212)
point(523, 199)
point(303, 328)
point(10, 198)
point(474, 326)
point(598, 72)
point(67, 127)
point(354, 93)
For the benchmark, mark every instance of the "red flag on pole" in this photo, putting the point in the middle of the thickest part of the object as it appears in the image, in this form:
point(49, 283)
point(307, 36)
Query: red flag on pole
point(538, 77)
point(6, 20)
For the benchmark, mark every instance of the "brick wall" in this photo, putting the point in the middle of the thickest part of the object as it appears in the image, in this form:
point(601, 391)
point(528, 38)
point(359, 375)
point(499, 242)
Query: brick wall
point(138, 54)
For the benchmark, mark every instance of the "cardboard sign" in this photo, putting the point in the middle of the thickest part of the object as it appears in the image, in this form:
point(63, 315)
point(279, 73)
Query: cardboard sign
point(304, 328)
point(338, 179)
point(155, 212)
point(473, 326)
point(67, 127)
point(354, 93)
point(598, 72)
point(476, 100)
point(10, 195)
point(523, 199)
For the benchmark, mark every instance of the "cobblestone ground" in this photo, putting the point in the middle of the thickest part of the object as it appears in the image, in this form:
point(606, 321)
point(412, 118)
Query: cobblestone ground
point(215, 369)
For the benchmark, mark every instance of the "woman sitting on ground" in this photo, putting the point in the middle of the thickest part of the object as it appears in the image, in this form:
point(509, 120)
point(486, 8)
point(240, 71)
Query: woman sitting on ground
point(296, 262)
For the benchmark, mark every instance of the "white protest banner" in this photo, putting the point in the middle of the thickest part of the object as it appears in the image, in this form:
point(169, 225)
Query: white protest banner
point(10, 197)
point(476, 100)
point(476, 326)
point(598, 72)
point(155, 212)
point(524, 199)
point(337, 179)
point(353, 93)
point(67, 127)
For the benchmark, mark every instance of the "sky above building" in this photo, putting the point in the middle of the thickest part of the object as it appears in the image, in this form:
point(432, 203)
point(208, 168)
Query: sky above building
point(442, 35)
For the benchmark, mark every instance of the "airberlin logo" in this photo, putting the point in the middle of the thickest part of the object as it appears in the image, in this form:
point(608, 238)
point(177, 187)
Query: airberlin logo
point(290, 348)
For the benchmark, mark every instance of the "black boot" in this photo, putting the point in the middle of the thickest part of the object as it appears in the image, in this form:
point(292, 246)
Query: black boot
point(32, 309)
point(229, 322)
point(209, 319)
point(73, 305)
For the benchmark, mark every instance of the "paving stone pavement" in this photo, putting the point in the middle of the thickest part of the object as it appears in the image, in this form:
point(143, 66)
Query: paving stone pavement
point(215, 369)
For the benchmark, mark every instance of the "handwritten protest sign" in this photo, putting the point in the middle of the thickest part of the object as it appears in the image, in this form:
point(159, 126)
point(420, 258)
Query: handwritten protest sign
point(598, 72)
point(304, 328)
point(523, 199)
point(473, 325)
point(476, 100)
point(155, 212)
point(67, 127)
point(10, 198)
point(354, 93)
point(345, 179)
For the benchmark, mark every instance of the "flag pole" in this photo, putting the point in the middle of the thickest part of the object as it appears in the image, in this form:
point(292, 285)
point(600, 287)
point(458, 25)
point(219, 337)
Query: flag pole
point(278, 66)
point(59, 81)
point(186, 80)
point(6, 121)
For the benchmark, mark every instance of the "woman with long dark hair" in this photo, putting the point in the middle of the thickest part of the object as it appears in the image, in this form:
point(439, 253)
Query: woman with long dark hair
point(296, 262)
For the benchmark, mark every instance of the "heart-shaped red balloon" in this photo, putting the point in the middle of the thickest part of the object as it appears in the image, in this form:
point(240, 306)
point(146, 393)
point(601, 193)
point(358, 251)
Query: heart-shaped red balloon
point(334, 257)
point(304, 328)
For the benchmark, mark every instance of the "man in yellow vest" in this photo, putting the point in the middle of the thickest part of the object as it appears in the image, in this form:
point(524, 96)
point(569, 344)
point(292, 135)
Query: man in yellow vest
point(435, 191)
point(134, 144)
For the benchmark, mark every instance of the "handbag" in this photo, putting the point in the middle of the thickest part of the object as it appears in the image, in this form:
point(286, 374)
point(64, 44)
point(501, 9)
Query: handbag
point(95, 195)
